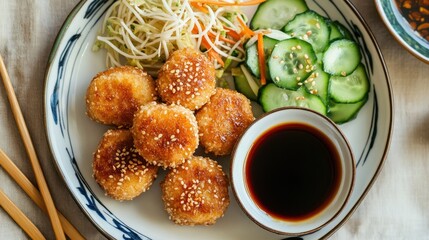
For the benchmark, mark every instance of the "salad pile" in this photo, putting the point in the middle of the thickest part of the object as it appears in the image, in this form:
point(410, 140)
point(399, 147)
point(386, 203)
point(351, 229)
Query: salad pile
point(306, 60)
point(144, 33)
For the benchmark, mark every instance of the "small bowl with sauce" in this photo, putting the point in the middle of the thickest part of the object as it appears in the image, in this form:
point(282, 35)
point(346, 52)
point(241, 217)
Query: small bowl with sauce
point(408, 21)
point(292, 171)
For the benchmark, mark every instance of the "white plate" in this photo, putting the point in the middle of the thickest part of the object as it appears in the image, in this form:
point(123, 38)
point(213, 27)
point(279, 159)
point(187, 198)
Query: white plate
point(73, 136)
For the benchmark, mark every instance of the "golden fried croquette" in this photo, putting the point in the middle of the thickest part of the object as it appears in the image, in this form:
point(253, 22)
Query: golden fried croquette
point(196, 192)
point(165, 135)
point(222, 120)
point(187, 78)
point(113, 96)
point(119, 169)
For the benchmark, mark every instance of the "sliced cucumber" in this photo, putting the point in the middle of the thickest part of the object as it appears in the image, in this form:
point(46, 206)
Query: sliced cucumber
point(344, 112)
point(338, 31)
point(291, 62)
point(243, 86)
point(335, 31)
point(319, 56)
point(245, 83)
point(272, 97)
point(317, 84)
point(252, 58)
point(349, 89)
point(343, 30)
point(274, 14)
point(310, 27)
point(342, 57)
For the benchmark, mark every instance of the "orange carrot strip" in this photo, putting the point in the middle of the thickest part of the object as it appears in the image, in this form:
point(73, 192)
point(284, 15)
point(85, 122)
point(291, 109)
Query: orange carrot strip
point(224, 3)
point(232, 33)
point(210, 50)
point(203, 40)
point(247, 32)
point(199, 7)
point(227, 40)
point(261, 58)
point(216, 56)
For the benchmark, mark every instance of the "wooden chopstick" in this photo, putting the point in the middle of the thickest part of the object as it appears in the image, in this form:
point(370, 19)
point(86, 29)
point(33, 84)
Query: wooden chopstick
point(19, 217)
point(25, 135)
point(34, 194)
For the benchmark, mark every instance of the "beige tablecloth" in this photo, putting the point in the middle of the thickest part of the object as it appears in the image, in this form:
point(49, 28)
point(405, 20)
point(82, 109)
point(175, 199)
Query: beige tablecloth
point(397, 207)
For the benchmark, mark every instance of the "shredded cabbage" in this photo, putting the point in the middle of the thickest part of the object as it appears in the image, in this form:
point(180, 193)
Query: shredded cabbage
point(145, 32)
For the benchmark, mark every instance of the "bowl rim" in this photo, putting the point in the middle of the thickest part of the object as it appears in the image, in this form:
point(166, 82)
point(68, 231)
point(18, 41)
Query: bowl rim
point(389, 25)
point(341, 136)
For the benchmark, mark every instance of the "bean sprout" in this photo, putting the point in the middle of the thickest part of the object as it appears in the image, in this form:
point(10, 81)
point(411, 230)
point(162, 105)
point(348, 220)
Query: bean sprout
point(144, 33)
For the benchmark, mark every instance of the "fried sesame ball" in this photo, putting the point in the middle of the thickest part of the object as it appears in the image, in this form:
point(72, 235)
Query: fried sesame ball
point(165, 135)
point(187, 78)
point(222, 120)
point(196, 192)
point(119, 169)
point(113, 96)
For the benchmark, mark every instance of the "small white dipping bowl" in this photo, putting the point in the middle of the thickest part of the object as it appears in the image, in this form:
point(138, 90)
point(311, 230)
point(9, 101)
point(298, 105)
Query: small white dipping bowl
point(241, 154)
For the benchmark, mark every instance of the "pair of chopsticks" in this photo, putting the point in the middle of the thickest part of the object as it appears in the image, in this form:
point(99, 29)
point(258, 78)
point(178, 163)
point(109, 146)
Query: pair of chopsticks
point(42, 199)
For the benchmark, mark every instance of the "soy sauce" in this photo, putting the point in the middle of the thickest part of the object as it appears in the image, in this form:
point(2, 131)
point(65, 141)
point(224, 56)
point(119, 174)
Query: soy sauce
point(293, 171)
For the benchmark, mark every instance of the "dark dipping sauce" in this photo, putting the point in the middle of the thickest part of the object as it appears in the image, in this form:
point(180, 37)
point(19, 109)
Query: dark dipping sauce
point(293, 171)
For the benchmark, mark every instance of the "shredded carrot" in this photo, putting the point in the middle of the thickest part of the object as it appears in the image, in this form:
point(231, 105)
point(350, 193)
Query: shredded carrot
point(199, 7)
point(232, 33)
point(227, 40)
point(210, 51)
point(225, 3)
point(246, 32)
point(216, 56)
point(261, 58)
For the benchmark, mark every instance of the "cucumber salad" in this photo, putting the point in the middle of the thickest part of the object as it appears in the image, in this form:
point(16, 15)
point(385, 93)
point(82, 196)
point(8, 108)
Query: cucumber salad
point(302, 59)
